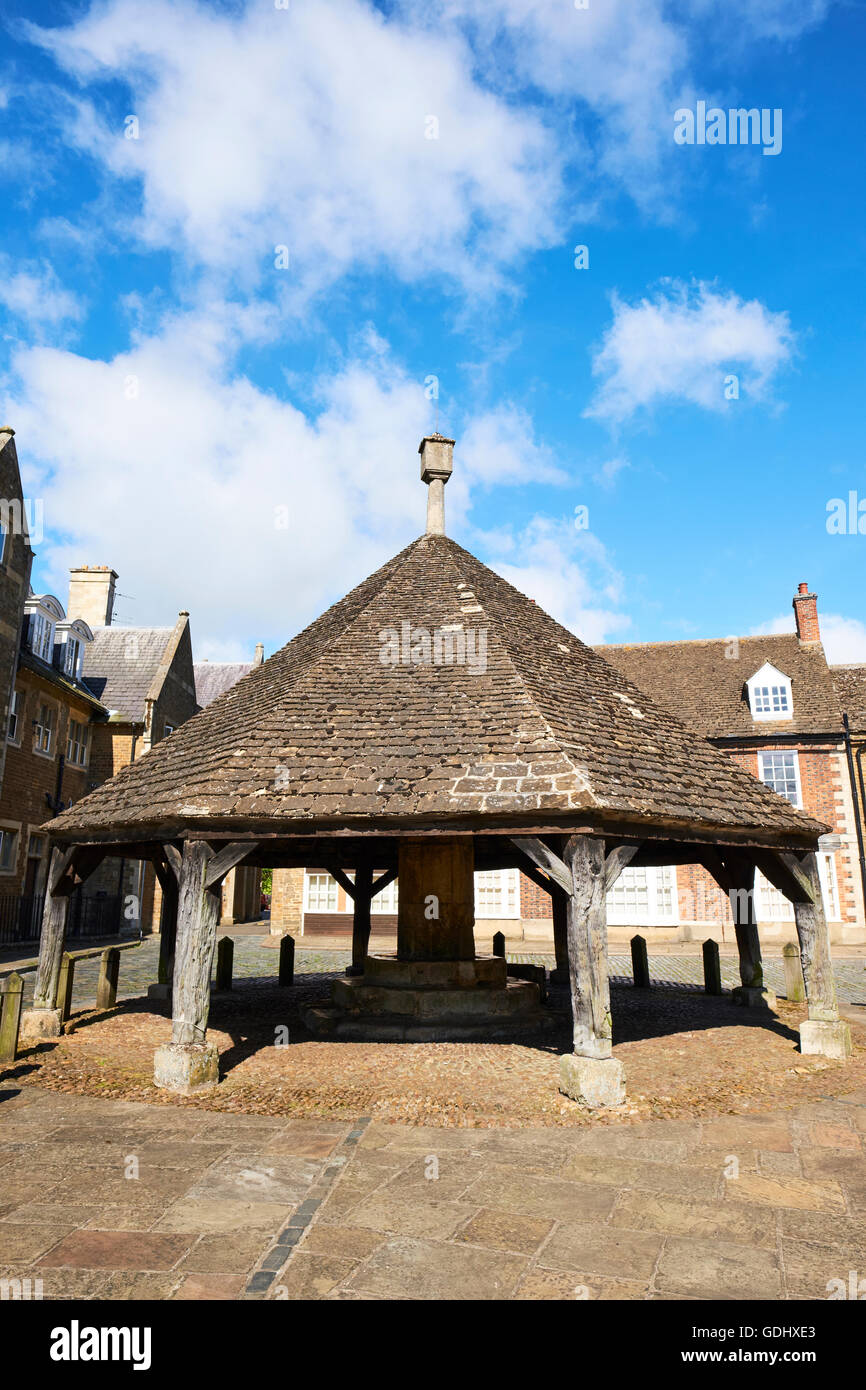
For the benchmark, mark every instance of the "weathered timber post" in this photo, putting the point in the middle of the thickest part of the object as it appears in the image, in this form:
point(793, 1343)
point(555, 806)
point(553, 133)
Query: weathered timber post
point(499, 944)
point(189, 1060)
point(823, 1032)
point(591, 1074)
point(712, 967)
point(225, 963)
point(559, 908)
point(167, 933)
point(795, 987)
point(287, 961)
point(639, 963)
point(106, 985)
point(751, 992)
point(65, 985)
point(10, 1019)
point(66, 870)
point(361, 917)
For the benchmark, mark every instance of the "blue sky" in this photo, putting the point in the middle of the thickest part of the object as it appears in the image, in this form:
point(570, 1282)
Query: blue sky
point(239, 438)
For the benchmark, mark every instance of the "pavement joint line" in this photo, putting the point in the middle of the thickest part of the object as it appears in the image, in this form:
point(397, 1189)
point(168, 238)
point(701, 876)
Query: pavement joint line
point(302, 1217)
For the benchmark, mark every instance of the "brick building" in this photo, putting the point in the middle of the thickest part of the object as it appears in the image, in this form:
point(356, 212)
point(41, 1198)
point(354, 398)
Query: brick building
point(850, 685)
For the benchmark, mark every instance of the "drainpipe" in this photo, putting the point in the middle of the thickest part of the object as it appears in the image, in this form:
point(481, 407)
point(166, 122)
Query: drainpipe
point(859, 801)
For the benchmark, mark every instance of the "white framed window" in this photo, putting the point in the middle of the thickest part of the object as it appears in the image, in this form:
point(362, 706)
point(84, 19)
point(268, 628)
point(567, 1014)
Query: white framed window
point(780, 769)
point(644, 897)
point(320, 893)
point(72, 657)
point(386, 900)
point(8, 850)
point(13, 728)
point(43, 730)
point(77, 743)
point(770, 695)
point(829, 887)
point(770, 904)
point(497, 893)
point(169, 729)
point(41, 636)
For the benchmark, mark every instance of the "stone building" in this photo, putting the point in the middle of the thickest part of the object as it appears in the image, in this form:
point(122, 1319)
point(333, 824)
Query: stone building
point(850, 684)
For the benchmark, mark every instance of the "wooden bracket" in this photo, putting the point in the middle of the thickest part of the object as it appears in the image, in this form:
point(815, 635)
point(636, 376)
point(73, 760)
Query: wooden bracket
point(225, 861)
point(615, 861)
point(173, 858)
point(383, 880)
point(545, 859)
point(786, 873)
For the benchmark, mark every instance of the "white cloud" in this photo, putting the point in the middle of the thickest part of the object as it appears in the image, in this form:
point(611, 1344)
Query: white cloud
point(844, 639)
point(307, 127)
point(567, 572)
point(179, 471)
point(31, 292)
point(680, 344)
point(500, 447)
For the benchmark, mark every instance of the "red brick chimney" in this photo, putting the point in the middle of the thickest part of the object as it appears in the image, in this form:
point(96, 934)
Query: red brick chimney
point(806, 614)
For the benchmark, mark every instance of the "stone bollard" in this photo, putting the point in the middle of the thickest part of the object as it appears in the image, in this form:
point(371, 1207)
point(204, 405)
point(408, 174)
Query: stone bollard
point(10, 1018)
point(225, 963)
point(639, 963)
point(64, 986)
point(795, 986)
point(499, 944)
point(106, 985)
point(287, 961)
point(712, 967)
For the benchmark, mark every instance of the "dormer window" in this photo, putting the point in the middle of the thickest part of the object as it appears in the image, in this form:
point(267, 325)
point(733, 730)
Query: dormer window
point(43, 613)
point(72, 641)
point(770, 695)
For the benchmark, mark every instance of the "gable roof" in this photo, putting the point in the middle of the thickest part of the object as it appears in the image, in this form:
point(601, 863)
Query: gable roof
point(850, 684)
point(324, 731)
point(705, 686)
point(120, 664)
point(214, 678)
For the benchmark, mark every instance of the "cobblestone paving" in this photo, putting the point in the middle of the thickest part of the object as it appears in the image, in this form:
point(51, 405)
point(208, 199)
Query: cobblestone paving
point(253, 961)
point(769, 1206)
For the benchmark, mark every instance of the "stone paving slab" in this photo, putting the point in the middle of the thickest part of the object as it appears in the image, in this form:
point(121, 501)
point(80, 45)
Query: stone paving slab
point(303, 1209)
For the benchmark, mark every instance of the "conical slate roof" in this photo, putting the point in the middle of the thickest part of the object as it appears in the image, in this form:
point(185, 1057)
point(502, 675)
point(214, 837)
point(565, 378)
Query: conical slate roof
point(326, 733)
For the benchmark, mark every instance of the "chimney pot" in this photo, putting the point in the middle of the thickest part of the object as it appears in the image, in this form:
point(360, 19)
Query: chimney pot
point(260, 654)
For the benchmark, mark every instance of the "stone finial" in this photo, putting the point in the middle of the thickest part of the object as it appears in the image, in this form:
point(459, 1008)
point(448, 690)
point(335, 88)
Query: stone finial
point(436, 466)
point(6, 429)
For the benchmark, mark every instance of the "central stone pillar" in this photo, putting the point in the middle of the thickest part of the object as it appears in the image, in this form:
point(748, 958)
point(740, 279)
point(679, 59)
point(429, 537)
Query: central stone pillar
point(436, 905)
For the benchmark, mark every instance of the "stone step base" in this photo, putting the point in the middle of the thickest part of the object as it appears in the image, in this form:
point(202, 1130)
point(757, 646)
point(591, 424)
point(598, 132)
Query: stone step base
point(358, 996)
point(336, 1023)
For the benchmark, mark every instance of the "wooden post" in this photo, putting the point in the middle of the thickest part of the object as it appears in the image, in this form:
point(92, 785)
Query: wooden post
point(287, 960)
point(361, 917)
point(65, 985)
point(559, 908)
point(712, 967)
point(499, 944)
point(823, 1032)
point(10, 1020)
point(54, 916)
point(795, 988)
point(640, 963)
point(752, 992)
point(225, 963)
point(167, 928)
point(106, 985)
point(436, 907)
point(190, 1061)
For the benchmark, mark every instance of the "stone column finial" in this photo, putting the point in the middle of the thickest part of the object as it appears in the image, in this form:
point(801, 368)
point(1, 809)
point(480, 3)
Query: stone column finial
point(436, 466)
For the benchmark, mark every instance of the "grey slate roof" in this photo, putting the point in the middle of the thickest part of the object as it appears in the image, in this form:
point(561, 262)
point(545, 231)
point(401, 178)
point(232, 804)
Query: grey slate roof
point(705, 687)
point(324, 731)
point(850, 683)
point(214, 678)
point(120, 664)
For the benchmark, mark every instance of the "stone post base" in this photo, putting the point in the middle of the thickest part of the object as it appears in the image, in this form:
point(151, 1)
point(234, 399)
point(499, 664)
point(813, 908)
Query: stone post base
point(592, 1081)
point(750, 997)
point(826, 1039)
point(186, 1066)
point(40, 1023)
point(158, 991)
